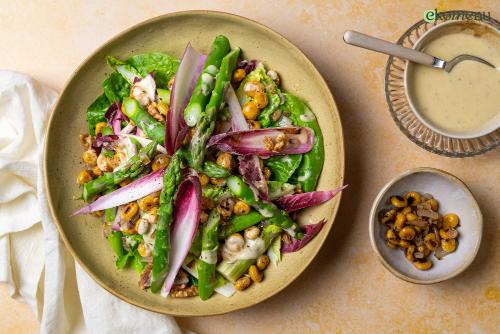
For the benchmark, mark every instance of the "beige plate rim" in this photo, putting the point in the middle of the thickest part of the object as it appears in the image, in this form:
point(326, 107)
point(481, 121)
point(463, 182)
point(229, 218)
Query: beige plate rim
point(372, 222)
point(322, 236)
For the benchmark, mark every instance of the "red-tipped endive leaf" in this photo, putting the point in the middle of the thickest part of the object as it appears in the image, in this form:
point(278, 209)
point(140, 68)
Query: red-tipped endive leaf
point(186, 218)
point(138, 189)
point(115, 117)
point(127, 129)
point(309, 232)
point(185, 80)
point(296, 202)
point(115, 226)
point(238, 122)
point(249, 166)
point(264, 142)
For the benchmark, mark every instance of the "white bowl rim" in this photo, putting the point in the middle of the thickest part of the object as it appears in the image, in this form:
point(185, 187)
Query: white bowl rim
point(469, 135)
point(373, 220)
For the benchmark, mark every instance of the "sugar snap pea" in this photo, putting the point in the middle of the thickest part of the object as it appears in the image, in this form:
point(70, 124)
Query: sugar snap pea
point(309, 170)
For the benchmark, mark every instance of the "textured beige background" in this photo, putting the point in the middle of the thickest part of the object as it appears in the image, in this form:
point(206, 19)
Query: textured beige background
point(346, 289)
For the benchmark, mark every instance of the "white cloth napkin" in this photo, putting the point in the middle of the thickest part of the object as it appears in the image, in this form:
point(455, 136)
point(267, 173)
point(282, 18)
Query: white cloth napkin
point(33, 260)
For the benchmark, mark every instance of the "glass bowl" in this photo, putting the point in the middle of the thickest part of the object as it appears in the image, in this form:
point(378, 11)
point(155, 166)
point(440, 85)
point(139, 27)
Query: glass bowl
point(401, 111)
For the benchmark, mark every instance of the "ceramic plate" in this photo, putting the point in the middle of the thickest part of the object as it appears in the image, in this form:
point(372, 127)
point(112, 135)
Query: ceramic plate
point(170, 33)
point(453, 197)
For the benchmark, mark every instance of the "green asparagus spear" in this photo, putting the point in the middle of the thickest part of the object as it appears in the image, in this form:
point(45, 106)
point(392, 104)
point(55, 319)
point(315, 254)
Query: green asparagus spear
point(276, 216)
point(208, 258)
point(239, 223)
point(213, 192)
point(171, 179)
point(153, 129)
point(206, 124)
point(209, 168)
point(133, 167)
point(206, 81)
point(234, 270)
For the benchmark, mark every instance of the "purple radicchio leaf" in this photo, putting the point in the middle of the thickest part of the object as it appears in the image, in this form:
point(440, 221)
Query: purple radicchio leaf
point(296, 202)
point(264, 142)
point(115, 116)
point(249, 166)
point(247, 65)
point(309, 232)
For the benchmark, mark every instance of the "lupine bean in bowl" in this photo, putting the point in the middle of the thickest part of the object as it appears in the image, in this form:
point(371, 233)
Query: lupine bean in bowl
point(453, 197)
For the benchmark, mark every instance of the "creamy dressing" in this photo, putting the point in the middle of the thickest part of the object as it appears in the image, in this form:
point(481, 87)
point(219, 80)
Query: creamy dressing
point(250, 251)
point(266, 213)
point(209, 256)
point(207, 83)
point(466, 100)
point(212, 69)
point(308, 116)
point(144, 91)
point(286, 159)
point(304, 177)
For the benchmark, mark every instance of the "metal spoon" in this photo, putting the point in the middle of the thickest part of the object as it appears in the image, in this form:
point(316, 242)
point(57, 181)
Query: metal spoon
point(392, 49)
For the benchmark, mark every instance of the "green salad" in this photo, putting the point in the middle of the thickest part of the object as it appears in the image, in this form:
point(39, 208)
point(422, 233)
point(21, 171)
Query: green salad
point(198, 167)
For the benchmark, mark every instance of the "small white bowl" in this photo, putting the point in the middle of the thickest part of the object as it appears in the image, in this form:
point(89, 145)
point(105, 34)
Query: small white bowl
point(442, 28)
point(453, 197)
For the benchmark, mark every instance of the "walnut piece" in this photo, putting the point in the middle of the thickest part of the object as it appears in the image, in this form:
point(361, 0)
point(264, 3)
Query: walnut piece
point(183, 291)
point(268, 143)
point(276, 145)
point(153, 111)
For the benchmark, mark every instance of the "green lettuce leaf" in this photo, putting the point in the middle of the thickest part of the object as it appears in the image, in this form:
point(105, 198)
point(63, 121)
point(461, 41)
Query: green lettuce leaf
point(115, 87)
point(279, 189)
point(127, 71)
point(272, 90)
point(96, 112)
point(283, 166)
point(162, 65)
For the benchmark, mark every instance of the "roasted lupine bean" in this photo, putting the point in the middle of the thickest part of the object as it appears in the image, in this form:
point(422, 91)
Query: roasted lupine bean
point(450, 220)
point(398, 201)
point(449, 246)
point(262, 262)
point(425, 265)
point(83, 177)
point(400, 221)
point(255, 274)
point(413, 198)
point(241, 208)
point(130, 210)
point(407, 233)
point(242, 283)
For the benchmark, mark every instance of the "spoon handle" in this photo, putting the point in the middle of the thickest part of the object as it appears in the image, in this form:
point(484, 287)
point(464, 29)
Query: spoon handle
point(379, 45)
